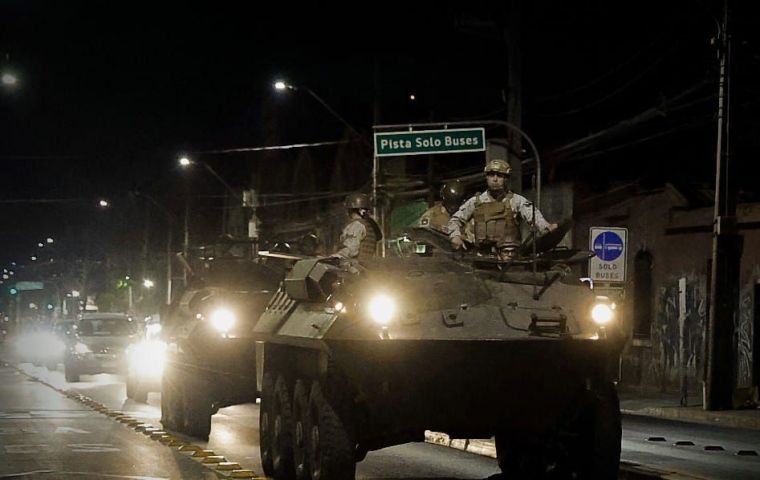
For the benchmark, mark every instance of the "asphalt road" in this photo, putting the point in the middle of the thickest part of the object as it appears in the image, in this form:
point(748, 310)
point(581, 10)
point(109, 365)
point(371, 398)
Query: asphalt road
point(235, 435)
point(44, 434)
point(652, 442)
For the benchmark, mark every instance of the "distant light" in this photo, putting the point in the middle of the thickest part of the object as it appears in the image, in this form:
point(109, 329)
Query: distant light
point(126, 278)
point(34, 258)
point(49, 306)
point(184, 161)
point(12, 272)
point(280, 85)
point(412, 97)
point(103, 203)
point(6, 276)
point(13, 263)
point(5, 270)
point(148, 283)
point(49, 240)
point(40, 245)
point(75, 293)
point(9, 79)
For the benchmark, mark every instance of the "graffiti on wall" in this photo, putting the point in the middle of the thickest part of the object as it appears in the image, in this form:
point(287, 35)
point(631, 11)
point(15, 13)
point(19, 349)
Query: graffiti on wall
point(743, 335)
point(665, 367)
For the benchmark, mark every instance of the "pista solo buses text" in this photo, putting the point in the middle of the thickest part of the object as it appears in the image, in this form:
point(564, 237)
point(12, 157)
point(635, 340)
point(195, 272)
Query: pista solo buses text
point(428, 142)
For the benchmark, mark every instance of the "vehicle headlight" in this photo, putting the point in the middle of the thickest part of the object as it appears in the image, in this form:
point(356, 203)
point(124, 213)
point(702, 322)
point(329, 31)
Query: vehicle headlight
point(382, 308)
point(147, 358)
point(152, 329)
point(602, 314)
point(223, 320)
point(81, 348)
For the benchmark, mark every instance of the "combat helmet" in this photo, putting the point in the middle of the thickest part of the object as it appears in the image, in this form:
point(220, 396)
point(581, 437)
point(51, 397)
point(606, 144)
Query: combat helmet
point(358, 201)
point(497, 165)
point(451, 194)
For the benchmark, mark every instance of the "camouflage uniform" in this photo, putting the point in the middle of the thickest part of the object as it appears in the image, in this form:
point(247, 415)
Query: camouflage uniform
point(521, 208)
point(358, 241)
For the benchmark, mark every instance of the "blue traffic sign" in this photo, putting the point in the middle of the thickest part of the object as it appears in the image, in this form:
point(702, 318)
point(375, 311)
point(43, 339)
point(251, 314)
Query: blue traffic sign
point(608, 246)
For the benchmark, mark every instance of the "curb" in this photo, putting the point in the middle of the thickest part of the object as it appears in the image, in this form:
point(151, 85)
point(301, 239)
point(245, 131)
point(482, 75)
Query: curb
point(487, 448)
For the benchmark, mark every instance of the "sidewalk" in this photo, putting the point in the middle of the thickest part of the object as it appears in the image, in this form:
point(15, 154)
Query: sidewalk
point(667, 406)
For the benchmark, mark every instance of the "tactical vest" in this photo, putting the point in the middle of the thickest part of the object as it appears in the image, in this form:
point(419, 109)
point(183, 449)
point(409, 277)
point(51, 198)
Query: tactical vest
point(368, 245)
point(495, 222)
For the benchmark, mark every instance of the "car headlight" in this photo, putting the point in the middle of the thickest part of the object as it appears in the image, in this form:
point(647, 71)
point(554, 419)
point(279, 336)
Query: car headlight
point(381, 309)
point(152, 329)
point(147, 358)
point(222, 320)
point(602, 314)
point(81, 348)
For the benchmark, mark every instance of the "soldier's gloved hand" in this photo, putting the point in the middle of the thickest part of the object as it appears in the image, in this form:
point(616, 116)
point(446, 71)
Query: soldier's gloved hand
point(457, 242)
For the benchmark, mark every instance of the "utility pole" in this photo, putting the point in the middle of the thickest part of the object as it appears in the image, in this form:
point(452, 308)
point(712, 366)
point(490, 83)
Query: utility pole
point(726, 252)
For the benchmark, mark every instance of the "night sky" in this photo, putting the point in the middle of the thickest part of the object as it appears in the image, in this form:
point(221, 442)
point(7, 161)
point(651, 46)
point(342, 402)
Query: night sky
point(110, 93)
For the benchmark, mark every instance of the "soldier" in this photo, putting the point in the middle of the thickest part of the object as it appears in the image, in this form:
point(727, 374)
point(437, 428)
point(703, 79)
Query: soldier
point(359, 238)
point(498, 214)
point(437, 217)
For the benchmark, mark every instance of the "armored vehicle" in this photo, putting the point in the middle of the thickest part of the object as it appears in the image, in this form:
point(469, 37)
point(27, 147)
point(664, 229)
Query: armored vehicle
point(367, 357)
point(209, 349)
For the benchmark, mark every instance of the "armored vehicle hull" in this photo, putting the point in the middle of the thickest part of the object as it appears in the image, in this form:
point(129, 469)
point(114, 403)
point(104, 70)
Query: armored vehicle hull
point(354, 362)
point(210, 352)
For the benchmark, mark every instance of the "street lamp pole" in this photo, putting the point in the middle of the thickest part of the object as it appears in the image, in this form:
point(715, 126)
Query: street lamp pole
point(169, 219)
point(281, 85)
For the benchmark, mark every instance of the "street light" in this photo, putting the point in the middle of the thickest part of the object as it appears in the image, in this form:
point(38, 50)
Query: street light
point(103, 203)
point(9, 79)
point(148, 283)
point(281, 85)
point(186, 162)
point(49, 240)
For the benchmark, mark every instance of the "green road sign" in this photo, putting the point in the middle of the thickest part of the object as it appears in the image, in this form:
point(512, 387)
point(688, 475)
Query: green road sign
point(22, 286)
point(430, 141)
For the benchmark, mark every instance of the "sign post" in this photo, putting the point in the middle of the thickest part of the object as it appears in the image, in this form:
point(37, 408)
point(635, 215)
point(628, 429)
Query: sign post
point(610, 246)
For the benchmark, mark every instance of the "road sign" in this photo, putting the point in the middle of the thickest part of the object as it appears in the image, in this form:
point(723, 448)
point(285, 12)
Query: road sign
point(430, 141)
point(610, 245)
point(22, 286)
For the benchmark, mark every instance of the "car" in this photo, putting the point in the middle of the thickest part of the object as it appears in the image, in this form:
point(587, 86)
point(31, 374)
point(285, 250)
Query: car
point(99, 345)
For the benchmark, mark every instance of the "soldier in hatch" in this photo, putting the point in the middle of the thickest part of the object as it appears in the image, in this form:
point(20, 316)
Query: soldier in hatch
point(359, 238)
point(498, 214)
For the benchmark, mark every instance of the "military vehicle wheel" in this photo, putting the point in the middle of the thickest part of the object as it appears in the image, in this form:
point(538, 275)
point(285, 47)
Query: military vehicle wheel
point(300, 429)
point(70, 373)
point(282, 431)
point(586, 447)
point(135, 390)
point(265, 424)
point(331, 451)
point(172, 408)
point(197, 412)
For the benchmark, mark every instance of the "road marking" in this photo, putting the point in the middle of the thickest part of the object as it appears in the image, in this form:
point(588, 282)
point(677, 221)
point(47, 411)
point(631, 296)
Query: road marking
point(16, 430)
point(92, 447)
point(14, 449)
point(70, 430)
